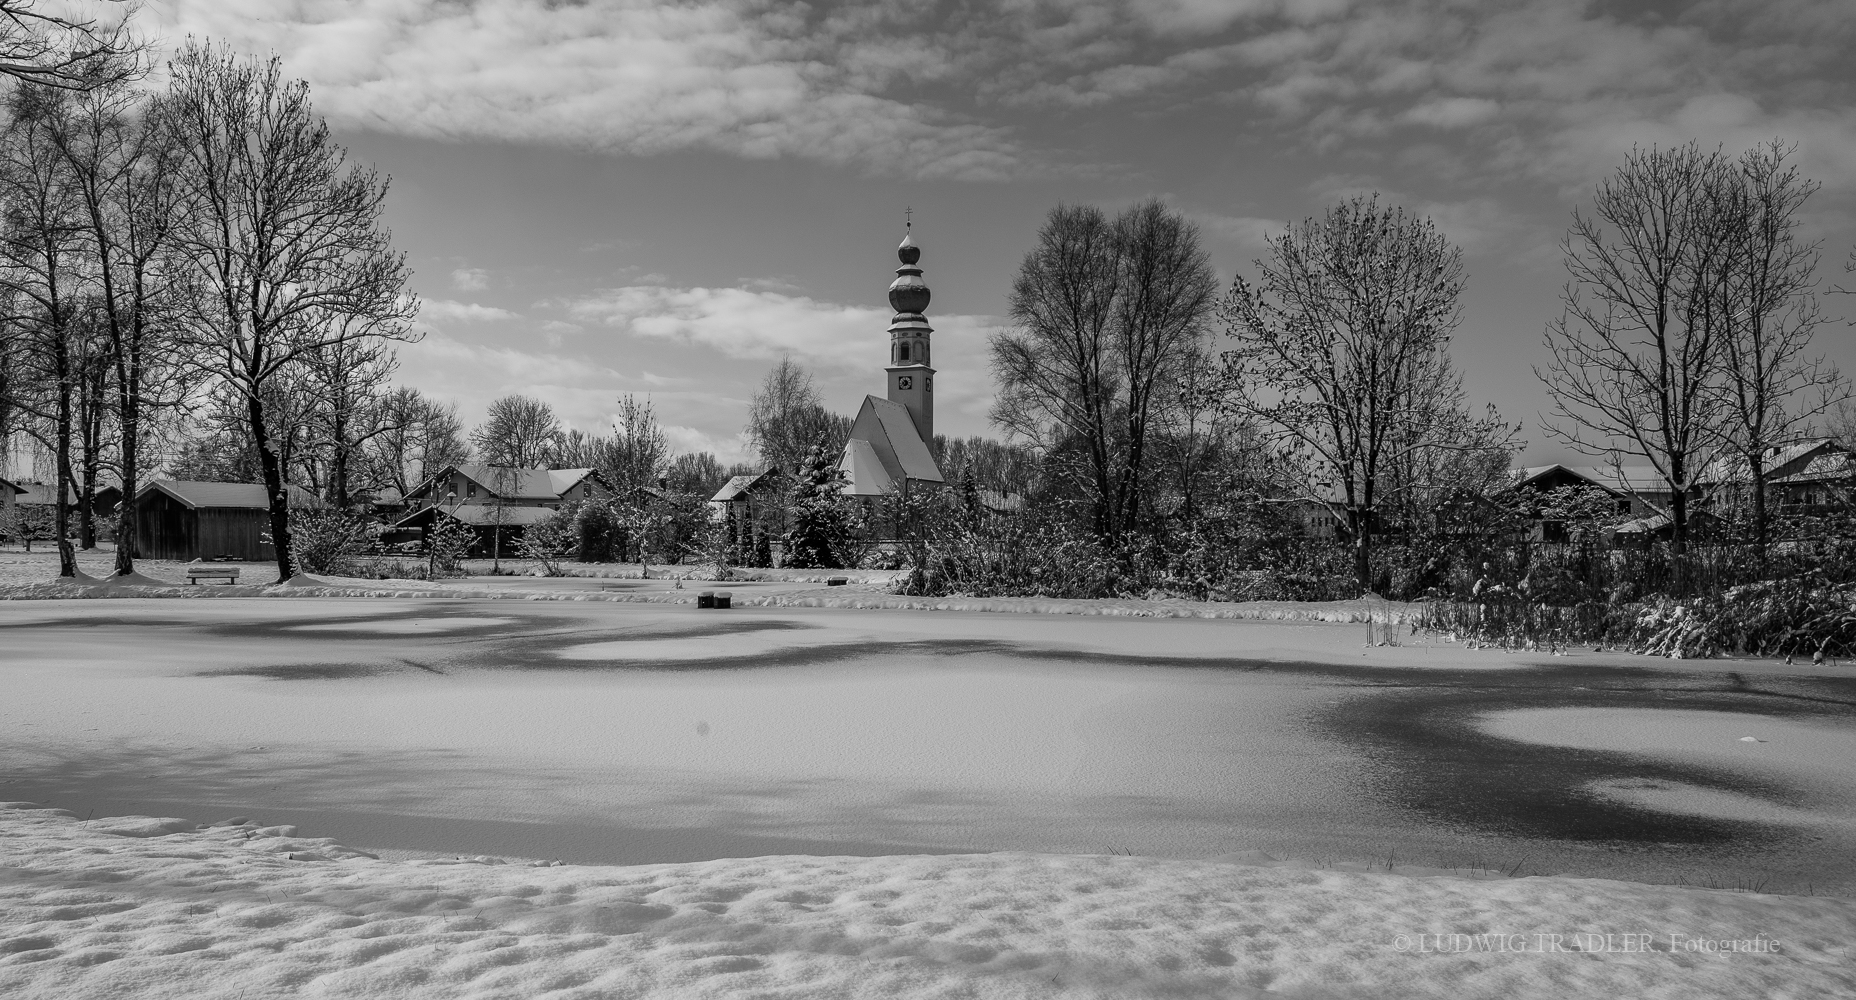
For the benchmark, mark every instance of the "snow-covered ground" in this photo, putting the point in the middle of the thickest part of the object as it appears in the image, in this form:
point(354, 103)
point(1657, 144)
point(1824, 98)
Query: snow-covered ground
point(860, 761)
point(140, 907)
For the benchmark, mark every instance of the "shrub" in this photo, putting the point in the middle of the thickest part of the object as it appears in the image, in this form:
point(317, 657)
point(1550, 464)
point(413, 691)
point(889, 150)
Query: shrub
point(329, 540)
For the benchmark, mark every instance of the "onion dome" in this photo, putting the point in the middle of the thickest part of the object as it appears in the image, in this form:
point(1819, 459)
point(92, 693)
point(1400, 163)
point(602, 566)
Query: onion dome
point(908, 293)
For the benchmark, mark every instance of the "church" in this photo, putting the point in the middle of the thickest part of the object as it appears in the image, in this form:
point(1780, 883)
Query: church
point(890, 447)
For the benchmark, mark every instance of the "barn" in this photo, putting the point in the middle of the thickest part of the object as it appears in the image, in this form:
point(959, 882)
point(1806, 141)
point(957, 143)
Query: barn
point(185, 521)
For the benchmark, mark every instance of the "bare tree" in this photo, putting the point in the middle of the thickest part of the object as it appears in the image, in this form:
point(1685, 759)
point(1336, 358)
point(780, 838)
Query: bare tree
point(1109, 315)
point(1770, 311)
point(125, 174)
point(517, 431)
point(62, 52)
point(40, 264)
point(696, 472)
point(343, 379)
point(284, 232)
point(786, 418)
point(1341, 360)
point(420, 437)
point(1635, 353)
point(639, 450)
point(1056, 377)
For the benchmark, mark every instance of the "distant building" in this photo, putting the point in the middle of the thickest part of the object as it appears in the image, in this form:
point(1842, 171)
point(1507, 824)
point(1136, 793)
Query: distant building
point(185, 521)
point(499, 502)
point(473, 483)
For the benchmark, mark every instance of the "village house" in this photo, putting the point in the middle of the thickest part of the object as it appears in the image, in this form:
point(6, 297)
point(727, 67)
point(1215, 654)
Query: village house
point(498, 502)
point(184, 521)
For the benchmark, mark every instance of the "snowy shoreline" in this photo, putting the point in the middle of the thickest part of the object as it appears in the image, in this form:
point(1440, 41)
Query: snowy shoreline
point(304, 585)
point(151, 907)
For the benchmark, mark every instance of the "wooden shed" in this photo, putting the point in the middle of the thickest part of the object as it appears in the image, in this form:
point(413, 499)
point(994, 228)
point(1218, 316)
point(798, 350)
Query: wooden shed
point(185, 521)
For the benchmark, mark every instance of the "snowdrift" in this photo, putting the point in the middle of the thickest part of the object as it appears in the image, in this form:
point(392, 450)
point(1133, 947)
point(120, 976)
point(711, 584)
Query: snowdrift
point(134, 907)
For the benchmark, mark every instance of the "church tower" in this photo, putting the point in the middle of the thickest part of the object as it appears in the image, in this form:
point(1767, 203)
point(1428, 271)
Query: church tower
point(892, 439)
point(911, 379)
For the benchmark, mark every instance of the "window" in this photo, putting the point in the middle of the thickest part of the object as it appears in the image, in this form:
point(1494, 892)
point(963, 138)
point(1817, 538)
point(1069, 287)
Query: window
point(904, 355)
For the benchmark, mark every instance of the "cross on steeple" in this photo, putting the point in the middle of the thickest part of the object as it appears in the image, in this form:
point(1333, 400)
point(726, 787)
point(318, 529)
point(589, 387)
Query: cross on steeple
point(908, 217)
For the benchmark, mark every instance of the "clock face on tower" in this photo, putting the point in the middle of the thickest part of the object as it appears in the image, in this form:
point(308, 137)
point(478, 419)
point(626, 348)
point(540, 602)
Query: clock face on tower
point(929, 385)
point(904, 382)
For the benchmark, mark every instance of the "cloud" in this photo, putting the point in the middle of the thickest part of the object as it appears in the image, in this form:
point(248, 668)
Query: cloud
point(754, 80)
point(1249, 232)
point(470, 279)
point(450, 311)
point(847, 345)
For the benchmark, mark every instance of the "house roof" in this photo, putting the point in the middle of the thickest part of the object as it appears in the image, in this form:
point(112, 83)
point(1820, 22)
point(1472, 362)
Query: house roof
point(1733, 467)
point(245, 496)
point(562, 480)
point(1628, 479)
point(509, 482)
point(739, 485)
point(1822, 468)
point(41, 495)
point(10, 488)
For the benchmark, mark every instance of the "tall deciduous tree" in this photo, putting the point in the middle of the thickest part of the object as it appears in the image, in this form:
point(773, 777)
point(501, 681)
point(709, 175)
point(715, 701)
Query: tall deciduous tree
point(1636, 351)
point(517, 431)
point(1771, 385)
point(639, 450)
point(1341, 360)
point(421, 436)
point(41, 265)
point(786, 418)
point(1110, 314)
point(284, 233)
point(125, 171)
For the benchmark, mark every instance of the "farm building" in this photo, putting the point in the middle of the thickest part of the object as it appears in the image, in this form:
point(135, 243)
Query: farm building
point(185, 521)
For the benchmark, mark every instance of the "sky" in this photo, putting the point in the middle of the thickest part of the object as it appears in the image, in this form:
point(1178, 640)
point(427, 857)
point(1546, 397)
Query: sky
point(616, 196)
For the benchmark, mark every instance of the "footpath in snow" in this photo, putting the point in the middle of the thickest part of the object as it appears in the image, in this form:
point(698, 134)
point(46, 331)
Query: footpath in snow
point(132, 907)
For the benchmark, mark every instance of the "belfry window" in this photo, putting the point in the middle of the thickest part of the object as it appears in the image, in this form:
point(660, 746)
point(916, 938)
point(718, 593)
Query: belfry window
point(904, 356)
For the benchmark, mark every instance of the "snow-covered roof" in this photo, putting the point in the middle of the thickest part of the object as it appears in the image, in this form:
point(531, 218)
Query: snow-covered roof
point(248, 496)
point(10, 488)
point(1781, 459)
point(893, 439)
point(1628, 479)
point(41, 495)
point(734, 488)
point(562, 480)
point(1831, 466)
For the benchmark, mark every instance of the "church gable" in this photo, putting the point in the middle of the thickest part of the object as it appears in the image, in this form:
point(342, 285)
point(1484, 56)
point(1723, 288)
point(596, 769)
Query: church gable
point(885, 434)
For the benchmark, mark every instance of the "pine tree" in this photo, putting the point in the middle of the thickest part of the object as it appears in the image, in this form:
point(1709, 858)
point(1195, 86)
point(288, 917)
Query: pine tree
point(823, 518)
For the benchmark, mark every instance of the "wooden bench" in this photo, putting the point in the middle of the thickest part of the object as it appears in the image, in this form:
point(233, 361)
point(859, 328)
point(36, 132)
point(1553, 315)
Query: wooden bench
point(197, 573)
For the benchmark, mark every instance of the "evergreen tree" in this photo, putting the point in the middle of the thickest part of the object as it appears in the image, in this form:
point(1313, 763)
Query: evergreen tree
point(823, 517)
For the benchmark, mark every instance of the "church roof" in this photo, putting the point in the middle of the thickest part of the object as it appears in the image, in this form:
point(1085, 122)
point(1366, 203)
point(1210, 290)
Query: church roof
point(889, 437)
point(863, 470)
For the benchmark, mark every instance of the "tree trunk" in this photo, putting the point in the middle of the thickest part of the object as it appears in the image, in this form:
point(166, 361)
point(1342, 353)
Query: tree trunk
point(273, 487)
point(125, 509)
point(1362, 549)
point(61, 510)
point(1760, 515)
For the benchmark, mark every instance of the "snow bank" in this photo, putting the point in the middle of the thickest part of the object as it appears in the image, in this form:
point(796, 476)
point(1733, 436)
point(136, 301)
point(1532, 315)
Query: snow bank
point(124, 908)
point(304, 585)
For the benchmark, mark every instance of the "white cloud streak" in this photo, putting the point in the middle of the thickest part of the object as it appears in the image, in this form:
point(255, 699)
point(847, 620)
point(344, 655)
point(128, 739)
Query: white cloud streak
point(751, 79)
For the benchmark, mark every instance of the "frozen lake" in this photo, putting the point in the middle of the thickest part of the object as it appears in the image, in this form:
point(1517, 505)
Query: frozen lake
point(633, 733)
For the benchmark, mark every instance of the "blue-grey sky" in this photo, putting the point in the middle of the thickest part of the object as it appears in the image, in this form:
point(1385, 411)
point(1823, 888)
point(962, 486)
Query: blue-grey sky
point(614, 196)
